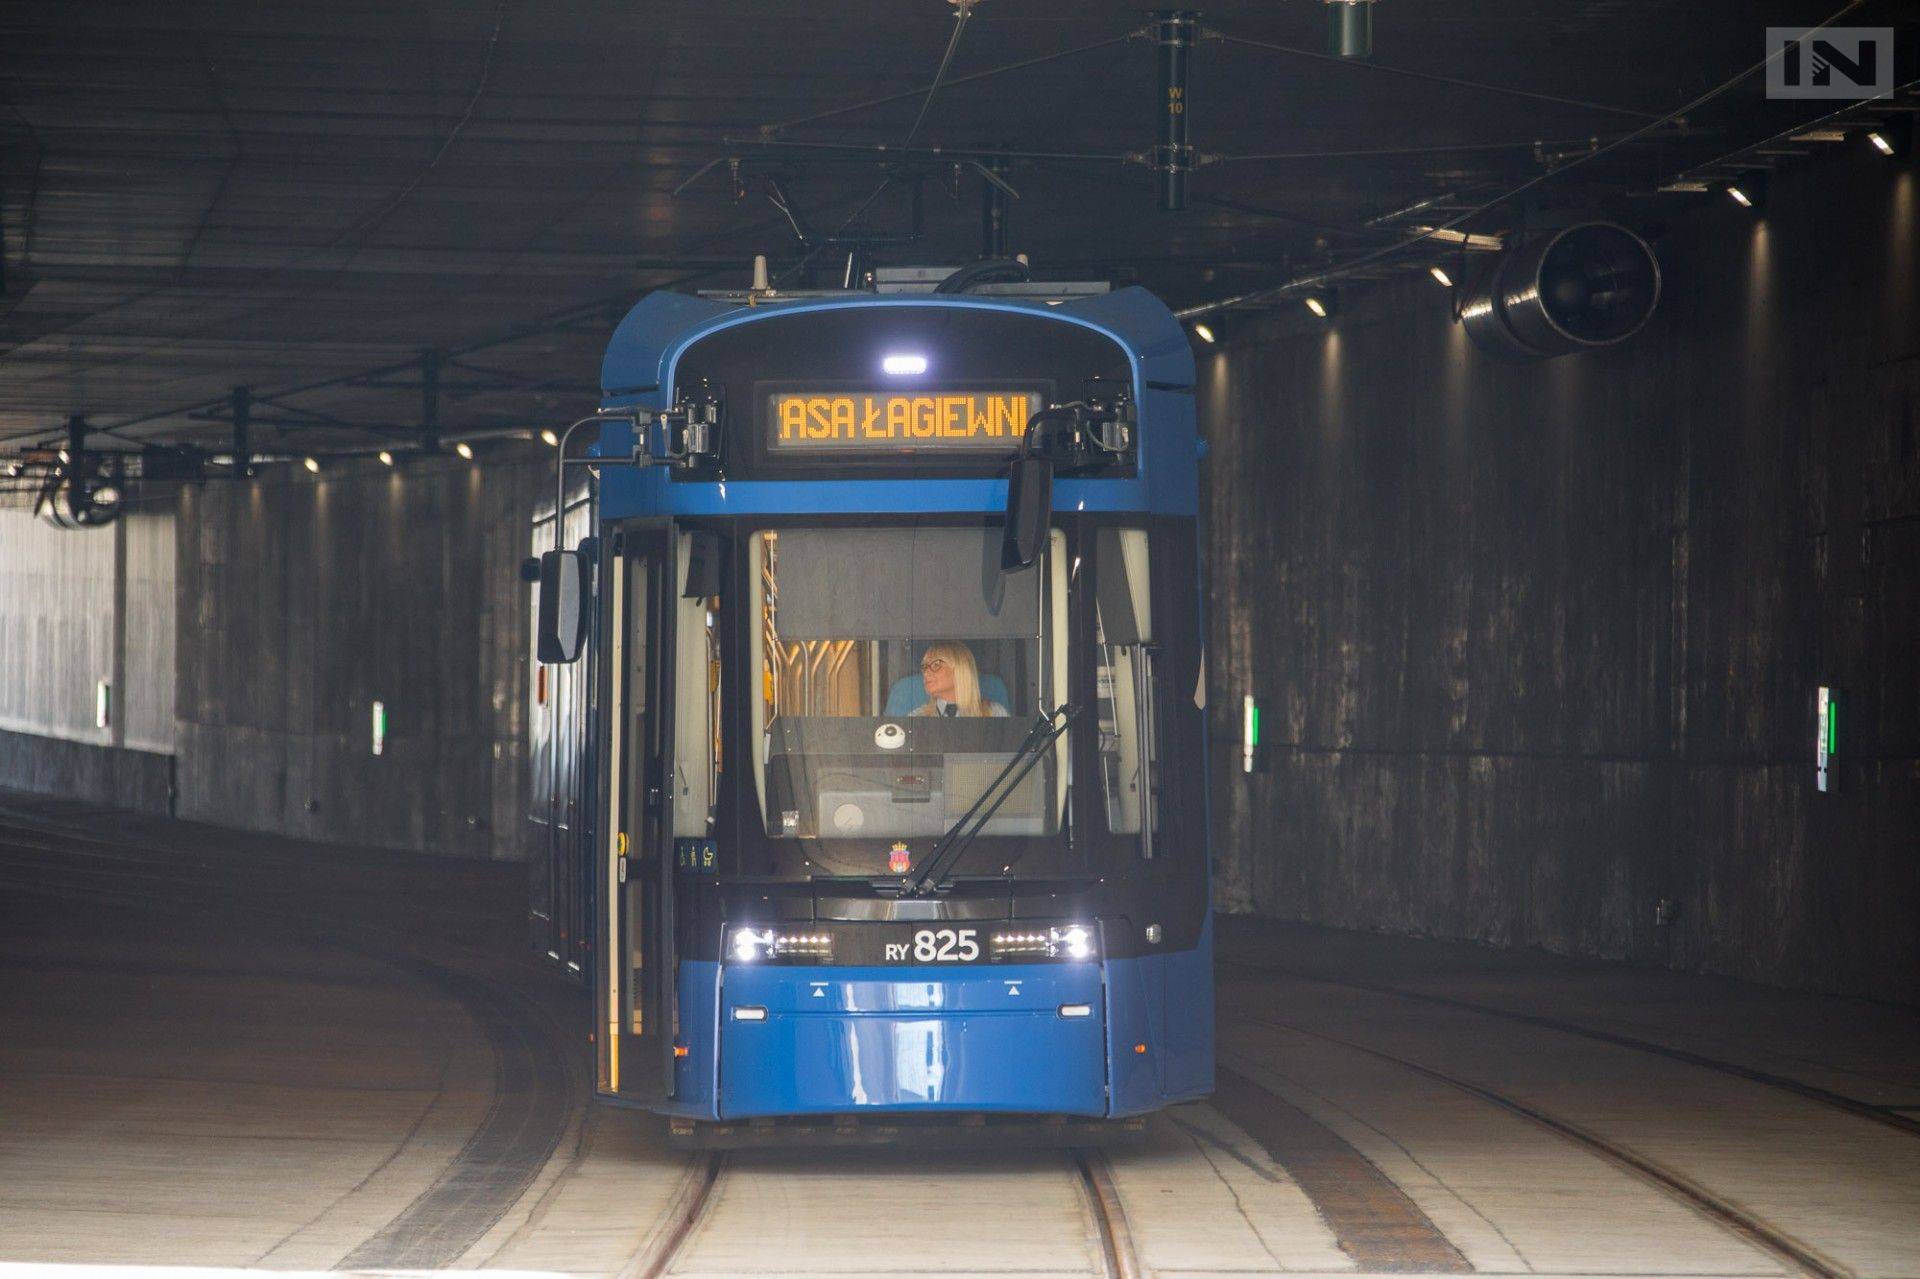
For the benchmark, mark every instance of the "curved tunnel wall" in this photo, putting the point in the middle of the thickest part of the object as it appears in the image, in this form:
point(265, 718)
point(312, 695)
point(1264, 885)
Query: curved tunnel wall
point(1539, 644)
point(305, 599)
point(79, 608)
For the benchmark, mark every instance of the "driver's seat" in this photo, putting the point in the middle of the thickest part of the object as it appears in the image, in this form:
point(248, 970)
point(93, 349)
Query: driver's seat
point(909, 694)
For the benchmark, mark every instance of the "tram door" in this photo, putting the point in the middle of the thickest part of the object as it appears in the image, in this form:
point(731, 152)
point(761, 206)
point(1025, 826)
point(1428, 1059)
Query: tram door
point(560, 900)
point(633, 978)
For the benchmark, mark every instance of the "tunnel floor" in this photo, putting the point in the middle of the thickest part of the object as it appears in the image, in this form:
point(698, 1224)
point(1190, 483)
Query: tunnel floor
point(224, 1052)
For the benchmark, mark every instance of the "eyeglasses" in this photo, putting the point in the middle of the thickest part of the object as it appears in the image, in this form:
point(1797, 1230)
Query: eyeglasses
point(933, 664)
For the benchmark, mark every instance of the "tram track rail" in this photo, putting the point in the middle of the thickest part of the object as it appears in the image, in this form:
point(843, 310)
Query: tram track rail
point(688, 1207)
point(48, 859)
point(1796, 1256)
point(1119, 1258)
point(699, 1188)
point(536, 1089)
point(1887, 1116)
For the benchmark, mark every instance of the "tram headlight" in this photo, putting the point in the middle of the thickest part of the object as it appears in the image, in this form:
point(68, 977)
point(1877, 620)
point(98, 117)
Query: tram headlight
point(749, 943)
point(1075, 941)
point(1062, 941)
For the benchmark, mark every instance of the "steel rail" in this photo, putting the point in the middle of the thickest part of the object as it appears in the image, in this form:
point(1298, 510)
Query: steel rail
point(506, 1150)
point(1119, 1259)
point(36, 854)
point(1736, 1220)
point(1859, 1109)
point(691, 1201)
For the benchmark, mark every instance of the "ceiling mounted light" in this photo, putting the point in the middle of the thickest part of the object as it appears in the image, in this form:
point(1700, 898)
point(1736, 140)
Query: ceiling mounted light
point(386, 458)
point(1440, 276)
point(1894, 138)
point(464, 449)
point(312, 464)
point(1320, 304)
point(548, 438)
point(1749, 192)
point(903, 365)
point(1204, 333)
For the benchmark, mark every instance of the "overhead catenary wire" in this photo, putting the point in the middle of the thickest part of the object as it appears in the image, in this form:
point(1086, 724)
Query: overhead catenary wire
point(960, 19)
point(1787, 134)
point(1438, 148)
point(891, 151)
point(1453, 223)
point(516, 333)
point(435, 135)
point(546, 323)
point(374, 220)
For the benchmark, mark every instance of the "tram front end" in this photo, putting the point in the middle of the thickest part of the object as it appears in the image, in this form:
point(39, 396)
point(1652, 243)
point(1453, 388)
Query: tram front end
point(898, 711)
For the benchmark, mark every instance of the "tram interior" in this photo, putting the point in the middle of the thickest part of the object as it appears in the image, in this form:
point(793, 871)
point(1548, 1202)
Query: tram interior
point(853, 744)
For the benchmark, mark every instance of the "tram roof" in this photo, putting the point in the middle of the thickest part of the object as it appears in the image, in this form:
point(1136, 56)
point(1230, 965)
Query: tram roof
point(646, 347)
point(639, 369)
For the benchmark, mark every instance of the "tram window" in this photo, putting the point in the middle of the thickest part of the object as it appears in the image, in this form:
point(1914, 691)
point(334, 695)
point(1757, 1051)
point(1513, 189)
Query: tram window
point(696, 739)
point(1123, 674)
point(899, 669)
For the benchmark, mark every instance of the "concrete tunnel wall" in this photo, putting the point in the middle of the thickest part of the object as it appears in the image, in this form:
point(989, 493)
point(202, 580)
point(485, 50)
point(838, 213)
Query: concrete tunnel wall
point(78, 609)
point(304, 599)
point(1538, 645)
point(247, 629)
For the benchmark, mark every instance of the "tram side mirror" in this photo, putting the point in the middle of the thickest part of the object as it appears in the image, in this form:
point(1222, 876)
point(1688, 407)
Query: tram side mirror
point(564, 591)
point(1029, 505)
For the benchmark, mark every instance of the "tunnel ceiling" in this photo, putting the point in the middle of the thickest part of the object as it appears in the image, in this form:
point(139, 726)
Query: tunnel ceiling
point(302, 198)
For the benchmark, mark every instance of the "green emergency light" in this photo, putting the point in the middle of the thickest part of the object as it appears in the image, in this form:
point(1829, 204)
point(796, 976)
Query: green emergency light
point(1249, 732)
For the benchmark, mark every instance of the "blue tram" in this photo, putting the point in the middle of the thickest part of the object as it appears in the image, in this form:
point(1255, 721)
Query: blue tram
point(893, 785)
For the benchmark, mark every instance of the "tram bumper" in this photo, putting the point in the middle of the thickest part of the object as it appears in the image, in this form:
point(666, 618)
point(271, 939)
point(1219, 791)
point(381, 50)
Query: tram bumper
point(1007, 1038)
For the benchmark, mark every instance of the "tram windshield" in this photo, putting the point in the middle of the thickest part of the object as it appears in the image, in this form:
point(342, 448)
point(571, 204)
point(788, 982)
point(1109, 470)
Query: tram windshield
point(900, 670)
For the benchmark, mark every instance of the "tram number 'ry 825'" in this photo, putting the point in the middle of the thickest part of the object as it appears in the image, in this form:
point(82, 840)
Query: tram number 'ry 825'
point(938, 946)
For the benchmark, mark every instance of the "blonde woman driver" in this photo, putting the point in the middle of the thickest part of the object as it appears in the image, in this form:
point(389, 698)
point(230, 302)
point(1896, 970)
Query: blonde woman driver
point(952, 678)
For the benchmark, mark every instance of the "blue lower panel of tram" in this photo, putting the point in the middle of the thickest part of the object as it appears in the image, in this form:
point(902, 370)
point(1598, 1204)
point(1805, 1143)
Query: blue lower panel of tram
point(859, 1038)
point(1164, 1002)
point(834, 1040)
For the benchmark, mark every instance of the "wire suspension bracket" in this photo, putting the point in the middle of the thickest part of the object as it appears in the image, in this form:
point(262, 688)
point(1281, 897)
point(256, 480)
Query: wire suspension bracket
point(1172, 159)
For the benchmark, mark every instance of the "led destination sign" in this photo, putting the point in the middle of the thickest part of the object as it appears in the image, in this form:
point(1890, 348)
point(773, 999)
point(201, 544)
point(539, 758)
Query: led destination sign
point(940, 421)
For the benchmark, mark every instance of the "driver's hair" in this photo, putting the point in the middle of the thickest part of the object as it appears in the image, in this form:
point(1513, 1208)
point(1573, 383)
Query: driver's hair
point(966, 678)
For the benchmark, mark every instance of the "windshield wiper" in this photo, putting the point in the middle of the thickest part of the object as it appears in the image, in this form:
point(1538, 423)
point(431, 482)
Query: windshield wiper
point(960, 835)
